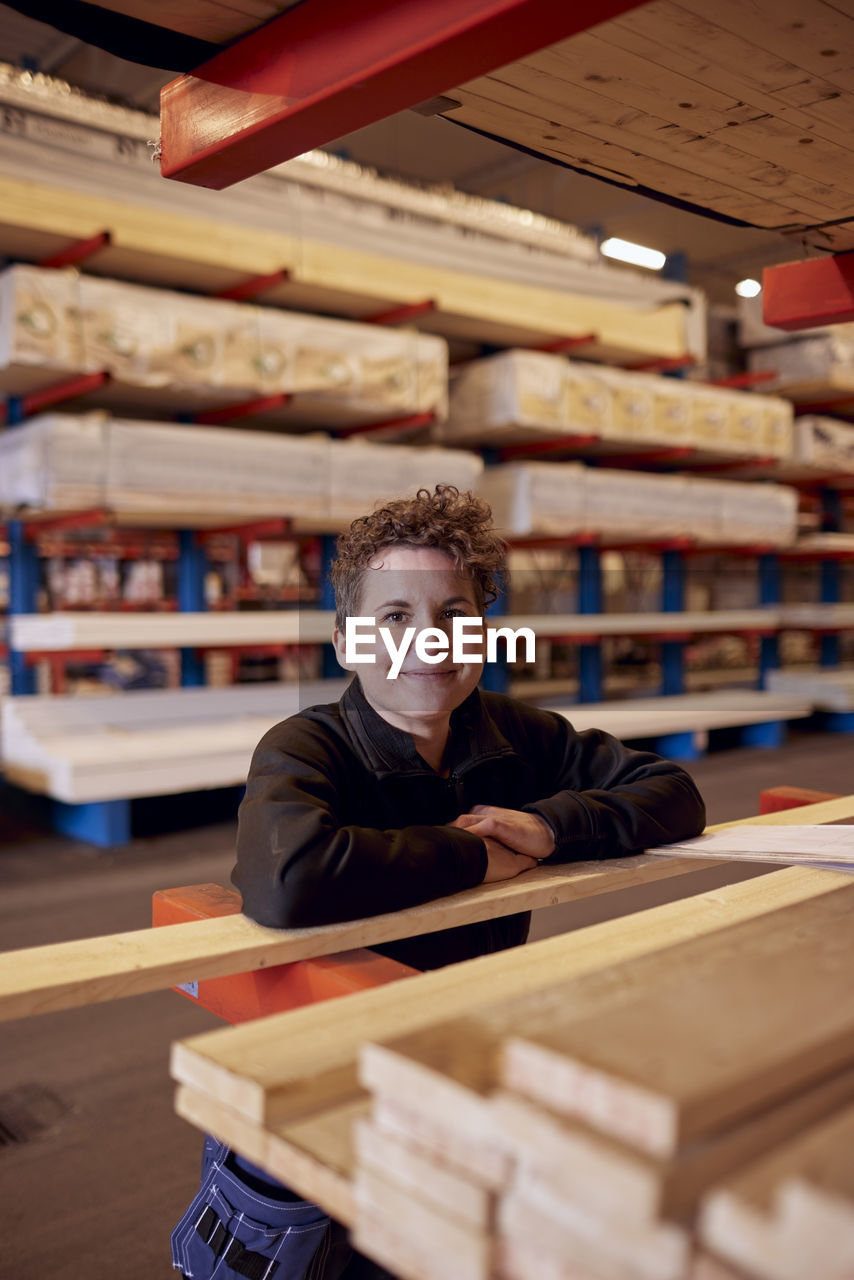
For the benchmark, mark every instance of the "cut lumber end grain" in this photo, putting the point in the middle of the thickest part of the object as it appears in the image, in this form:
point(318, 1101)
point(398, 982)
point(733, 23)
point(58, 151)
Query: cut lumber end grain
point(385, 1213)
point(422, 1171)
point(791, 1208)
point(485, 1162)
point(445, 1071)
point(645, 1120)
point(611, 1181)
point(535, 1212)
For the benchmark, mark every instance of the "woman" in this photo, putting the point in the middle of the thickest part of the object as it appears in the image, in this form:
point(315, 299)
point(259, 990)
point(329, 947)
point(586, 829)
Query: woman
point(414, 785)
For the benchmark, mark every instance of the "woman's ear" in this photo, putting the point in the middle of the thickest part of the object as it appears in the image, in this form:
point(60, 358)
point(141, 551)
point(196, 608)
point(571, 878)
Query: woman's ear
point(340, 651)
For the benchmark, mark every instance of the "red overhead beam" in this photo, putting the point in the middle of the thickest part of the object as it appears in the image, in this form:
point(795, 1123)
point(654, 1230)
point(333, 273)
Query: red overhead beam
point(322, 70)
point(804, 295)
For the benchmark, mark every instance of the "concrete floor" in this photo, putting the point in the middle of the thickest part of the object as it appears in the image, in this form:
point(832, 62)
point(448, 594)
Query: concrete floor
point(96, 1195)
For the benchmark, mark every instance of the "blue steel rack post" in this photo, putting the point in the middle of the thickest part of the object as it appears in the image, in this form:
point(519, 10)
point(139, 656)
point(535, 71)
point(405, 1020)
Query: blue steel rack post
point(192, 569)
point(590, 664)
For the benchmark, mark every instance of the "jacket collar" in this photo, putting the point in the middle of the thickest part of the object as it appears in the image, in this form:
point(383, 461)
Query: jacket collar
point(474, 735)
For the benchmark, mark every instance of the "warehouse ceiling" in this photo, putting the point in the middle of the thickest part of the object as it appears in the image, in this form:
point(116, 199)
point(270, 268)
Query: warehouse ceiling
point(435, 150)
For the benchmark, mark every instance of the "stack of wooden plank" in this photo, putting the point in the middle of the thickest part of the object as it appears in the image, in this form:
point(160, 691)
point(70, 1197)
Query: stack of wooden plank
point(145, 742)
point(157, 473)
point(824, 442)
point(811, 368)
point(563, 498)
point(171, 351)
point(158, 742)
point(791, 1213)
point(828, 690)
point(575, 1132)
point(529, 395)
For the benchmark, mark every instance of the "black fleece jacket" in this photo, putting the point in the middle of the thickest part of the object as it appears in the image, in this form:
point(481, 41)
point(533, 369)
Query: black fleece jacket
point(342, 818)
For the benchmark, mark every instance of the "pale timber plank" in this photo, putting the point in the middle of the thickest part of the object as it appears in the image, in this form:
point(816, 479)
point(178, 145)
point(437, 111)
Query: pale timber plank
point(320, 1168)
point(450, 1069)
point(698, 1049)
point(389, 1220)
point(791, 1213)
point(258, 1067)
point(90, 970)
point(424, 1174)
point(619, 1184)
point(534, 1211)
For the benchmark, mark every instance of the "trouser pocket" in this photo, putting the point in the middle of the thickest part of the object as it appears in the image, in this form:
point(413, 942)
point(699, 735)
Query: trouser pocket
point(232, 1230)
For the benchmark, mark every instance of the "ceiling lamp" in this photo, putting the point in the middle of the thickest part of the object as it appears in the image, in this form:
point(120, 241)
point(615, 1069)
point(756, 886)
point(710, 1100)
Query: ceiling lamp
point(748, 288)
point(637, 254)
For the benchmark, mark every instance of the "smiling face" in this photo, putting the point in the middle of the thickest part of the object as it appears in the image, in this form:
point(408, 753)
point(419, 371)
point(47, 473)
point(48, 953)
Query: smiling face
point(414, 587)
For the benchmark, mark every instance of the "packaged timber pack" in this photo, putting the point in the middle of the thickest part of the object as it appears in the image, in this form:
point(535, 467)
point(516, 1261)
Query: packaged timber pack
point(812, 358)
point(153, 469)
point(363, 368)
point(173, 347)
point(536, 497)
point(363, 472)
point(39, 334)
point(519, 395)
point(758, 513)
point(636, 504)
point(824, 442)
point(205, 473)
point(54, 463)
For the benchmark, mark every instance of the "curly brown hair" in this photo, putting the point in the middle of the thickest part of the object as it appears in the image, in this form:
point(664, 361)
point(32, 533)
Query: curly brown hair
point(457, 523)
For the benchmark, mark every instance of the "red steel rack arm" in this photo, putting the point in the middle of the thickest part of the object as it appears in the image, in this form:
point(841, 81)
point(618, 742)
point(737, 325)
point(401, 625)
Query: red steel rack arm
point(78, 251)
point(320, 71)
point(804, 295)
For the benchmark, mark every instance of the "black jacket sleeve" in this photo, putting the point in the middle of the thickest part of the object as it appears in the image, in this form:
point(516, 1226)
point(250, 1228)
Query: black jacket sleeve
point(298, 865)
point(606, 800)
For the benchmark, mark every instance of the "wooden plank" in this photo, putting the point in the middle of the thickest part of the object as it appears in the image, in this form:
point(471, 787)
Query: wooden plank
point(619, 1184)
point(521, 1259)
point(818, 38)
point(67, 974)
point(792, 1212)
point(57, 631)
point(315, 1156)
point(486, 1163)
point(437, 1243)
point(664, 38)
point(535, 1211)
point(451, 1069)
point(722, 151)
point(205, 19)
point(423, 1174)
point(602, 150)
point(256, 1068)
point(684, 1057)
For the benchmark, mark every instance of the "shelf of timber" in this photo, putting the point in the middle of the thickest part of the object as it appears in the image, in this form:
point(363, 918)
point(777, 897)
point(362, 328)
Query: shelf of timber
point(210, 256)
point(163, 742)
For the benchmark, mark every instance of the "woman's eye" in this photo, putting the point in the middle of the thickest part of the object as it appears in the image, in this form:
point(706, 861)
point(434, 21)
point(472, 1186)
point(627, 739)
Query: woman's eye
point(394, 617)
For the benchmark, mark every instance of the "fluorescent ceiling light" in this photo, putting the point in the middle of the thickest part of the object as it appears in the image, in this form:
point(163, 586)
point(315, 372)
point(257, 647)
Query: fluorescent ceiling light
point(637, 254)
point(748, 288)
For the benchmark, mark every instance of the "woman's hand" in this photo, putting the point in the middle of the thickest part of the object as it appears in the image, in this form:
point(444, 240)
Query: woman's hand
point(526, 833)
